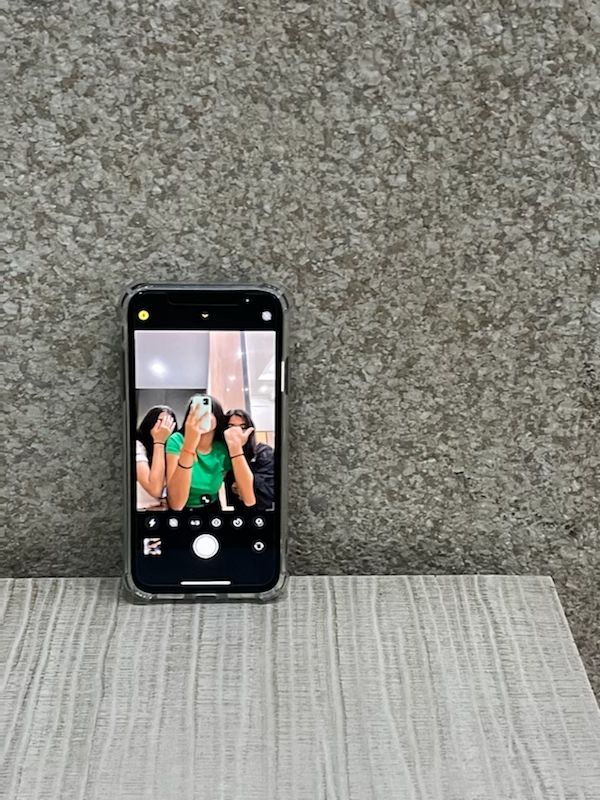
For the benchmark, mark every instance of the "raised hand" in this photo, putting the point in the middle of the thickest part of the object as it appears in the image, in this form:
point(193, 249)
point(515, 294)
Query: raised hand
point(236, 438)
point(163, 427)
point(194, 428)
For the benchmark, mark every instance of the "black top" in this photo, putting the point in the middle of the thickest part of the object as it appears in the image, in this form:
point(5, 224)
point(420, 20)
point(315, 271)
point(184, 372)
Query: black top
point(263, 469)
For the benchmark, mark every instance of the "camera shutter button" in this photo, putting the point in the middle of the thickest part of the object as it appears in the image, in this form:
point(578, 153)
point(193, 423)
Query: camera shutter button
point(205, 545)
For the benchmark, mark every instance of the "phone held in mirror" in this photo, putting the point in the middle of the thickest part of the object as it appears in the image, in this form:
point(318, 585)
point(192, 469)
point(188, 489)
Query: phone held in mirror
point(202, 405)
point(204, 395)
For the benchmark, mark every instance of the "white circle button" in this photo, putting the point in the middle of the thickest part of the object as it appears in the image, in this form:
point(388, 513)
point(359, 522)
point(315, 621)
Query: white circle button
point(205, 546)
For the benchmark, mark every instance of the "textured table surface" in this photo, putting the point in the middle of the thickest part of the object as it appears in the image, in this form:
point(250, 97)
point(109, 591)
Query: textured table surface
point(350, 687)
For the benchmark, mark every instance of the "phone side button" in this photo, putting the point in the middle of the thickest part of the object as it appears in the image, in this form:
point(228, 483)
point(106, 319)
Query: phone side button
point(122, 376)
point(285, 375)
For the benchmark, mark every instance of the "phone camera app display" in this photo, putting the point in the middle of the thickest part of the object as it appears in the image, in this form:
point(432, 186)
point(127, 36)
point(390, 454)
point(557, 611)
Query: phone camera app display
point(197, 448)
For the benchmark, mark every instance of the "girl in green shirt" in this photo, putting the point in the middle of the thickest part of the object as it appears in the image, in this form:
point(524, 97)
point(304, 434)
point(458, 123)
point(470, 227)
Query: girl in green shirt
point(197, 460)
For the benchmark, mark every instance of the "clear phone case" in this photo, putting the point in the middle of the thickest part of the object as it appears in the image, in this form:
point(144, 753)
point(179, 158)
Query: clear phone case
point(130, 590)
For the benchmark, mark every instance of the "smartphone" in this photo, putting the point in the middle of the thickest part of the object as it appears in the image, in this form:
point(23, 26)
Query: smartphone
point(205, 510)
point(203, 405)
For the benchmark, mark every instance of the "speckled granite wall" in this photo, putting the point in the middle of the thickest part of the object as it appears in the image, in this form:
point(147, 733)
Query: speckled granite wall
point(421, 178)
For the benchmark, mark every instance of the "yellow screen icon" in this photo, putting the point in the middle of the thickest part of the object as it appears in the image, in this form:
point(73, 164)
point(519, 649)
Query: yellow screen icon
point(143, 315)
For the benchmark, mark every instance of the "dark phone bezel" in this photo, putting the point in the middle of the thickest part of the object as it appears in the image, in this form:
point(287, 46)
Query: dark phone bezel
point(221, 300)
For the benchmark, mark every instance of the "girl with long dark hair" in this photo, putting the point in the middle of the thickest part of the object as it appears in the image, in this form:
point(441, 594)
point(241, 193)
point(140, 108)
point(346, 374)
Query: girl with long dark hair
point(150, 466)
point(197, 458)
point(256, 464)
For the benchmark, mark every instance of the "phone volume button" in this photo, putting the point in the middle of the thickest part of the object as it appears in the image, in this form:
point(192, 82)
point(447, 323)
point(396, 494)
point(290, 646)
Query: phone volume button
point(122, 375)
point(285, 376)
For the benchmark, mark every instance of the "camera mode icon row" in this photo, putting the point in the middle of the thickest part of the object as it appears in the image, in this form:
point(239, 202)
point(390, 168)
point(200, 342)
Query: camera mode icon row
point(153, 522)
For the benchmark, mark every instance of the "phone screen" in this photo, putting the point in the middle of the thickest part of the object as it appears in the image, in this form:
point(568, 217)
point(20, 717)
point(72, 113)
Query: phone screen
point(204, 394)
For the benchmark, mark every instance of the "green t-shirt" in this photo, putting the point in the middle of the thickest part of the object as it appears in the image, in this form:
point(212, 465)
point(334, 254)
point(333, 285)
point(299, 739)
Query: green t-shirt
point(208, 470)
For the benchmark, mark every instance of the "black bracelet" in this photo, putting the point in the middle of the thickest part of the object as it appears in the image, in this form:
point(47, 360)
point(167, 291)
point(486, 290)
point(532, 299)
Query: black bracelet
point(162, 444)
point(236, 456)
point(179, 464)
